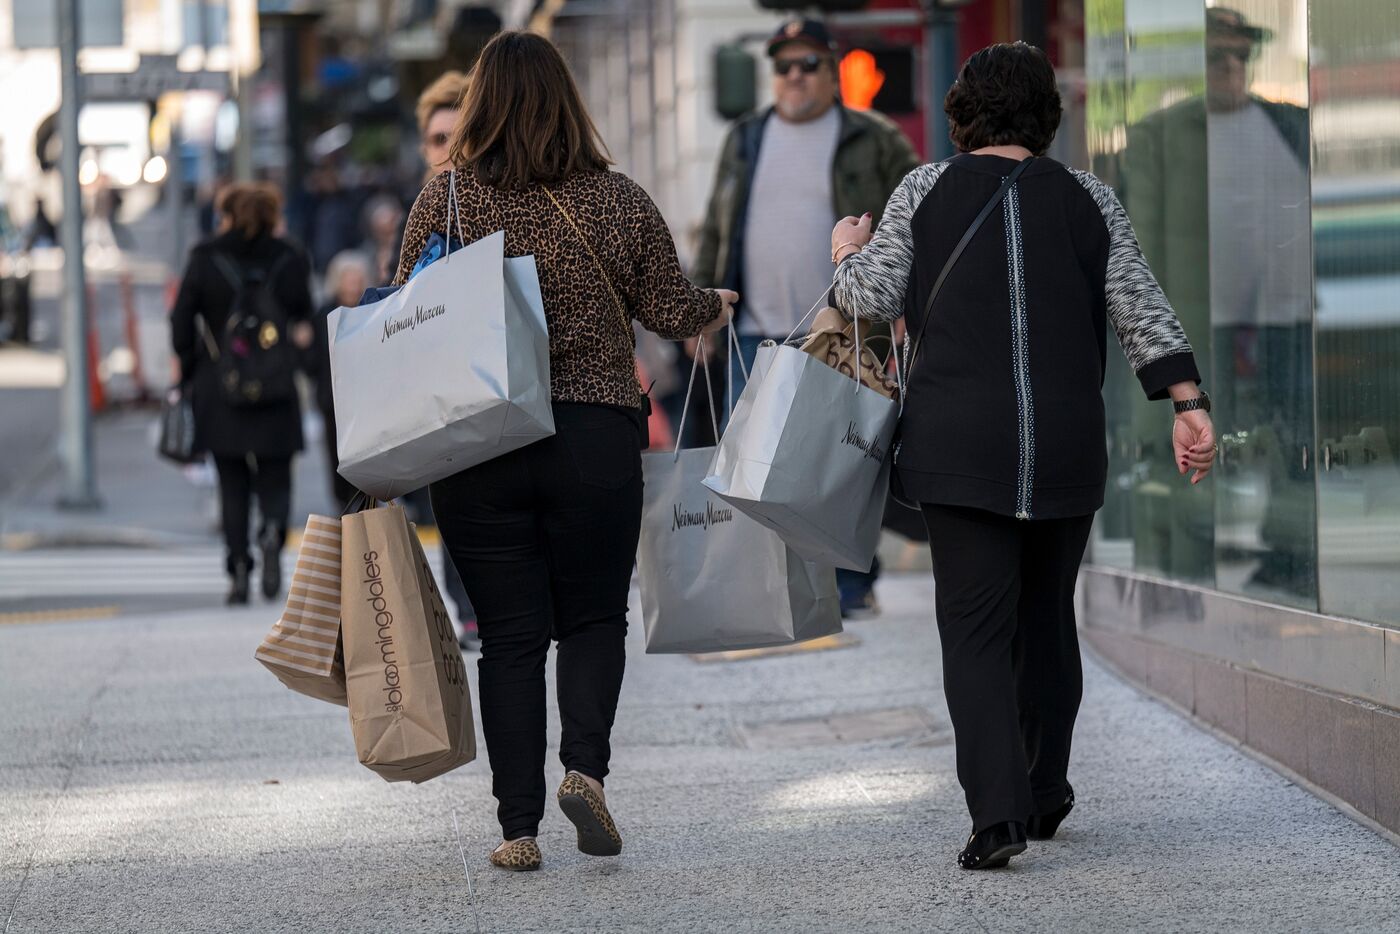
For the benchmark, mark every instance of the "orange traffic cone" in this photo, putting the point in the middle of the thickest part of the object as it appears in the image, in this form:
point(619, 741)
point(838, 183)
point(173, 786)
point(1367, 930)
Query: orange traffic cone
point(97, 395)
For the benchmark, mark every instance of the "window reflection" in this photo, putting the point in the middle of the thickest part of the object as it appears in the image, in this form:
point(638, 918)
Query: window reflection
point(1356, 230)
point(1261, 297)
point(1154, 521)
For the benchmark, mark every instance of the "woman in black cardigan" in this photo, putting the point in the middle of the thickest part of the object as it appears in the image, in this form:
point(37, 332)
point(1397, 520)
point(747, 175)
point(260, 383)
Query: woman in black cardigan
point(252, 444)
point(1002, 438)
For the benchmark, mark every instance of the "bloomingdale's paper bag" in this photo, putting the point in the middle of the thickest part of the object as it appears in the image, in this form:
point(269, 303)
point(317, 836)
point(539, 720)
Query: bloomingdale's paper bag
point(410, 710)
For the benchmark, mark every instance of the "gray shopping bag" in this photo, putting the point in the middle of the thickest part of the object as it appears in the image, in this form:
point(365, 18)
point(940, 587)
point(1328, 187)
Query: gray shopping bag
point(714, 580)
point(807, 453)
point(446, 373)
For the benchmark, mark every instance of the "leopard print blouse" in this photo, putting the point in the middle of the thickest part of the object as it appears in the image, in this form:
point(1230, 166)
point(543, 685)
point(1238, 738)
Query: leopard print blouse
point(591, 349)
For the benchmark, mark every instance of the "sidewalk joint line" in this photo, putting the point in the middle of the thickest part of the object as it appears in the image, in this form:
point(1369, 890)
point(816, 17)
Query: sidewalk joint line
point(462, 850)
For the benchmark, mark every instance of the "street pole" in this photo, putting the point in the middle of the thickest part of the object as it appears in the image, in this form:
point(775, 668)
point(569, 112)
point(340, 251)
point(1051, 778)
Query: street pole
point(940, 70)
point(75, 439)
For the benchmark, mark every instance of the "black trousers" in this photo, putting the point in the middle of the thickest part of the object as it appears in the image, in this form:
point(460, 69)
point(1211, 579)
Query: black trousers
point(545, 538)
point(242, 478)
point(343, 490)
point(1005, 603)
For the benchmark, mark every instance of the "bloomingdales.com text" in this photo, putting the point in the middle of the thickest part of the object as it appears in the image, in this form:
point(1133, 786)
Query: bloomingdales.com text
point(373, 584)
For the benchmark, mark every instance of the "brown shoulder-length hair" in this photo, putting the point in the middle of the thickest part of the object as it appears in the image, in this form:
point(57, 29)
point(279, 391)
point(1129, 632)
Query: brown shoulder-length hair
point(523, 121)
point(251, 208)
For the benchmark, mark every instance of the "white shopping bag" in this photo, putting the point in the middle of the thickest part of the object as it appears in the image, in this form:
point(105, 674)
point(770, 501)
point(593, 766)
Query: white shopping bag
point(807, 453)
point(714, 580)
point(449, 371)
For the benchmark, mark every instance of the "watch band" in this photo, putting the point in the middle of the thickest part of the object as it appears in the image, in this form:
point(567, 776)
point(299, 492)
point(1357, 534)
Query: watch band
point(1201, 402)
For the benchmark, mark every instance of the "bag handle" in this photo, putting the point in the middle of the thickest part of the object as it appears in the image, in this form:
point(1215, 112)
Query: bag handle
point(958, 251)
point(701, 356)
point(621, 309)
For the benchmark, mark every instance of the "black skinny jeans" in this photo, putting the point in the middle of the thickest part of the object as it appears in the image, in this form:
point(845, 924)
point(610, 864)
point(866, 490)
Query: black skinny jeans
point(545, 538)
point(1004, 596)
point(240, 479)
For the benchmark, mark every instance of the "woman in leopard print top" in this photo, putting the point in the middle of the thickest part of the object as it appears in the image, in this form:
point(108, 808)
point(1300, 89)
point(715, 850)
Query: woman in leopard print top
point(545, 536)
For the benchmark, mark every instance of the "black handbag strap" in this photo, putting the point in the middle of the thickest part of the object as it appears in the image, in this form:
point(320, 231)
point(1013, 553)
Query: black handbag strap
point(958, 251)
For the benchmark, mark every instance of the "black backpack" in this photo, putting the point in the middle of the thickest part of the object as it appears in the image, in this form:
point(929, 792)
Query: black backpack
point(255, 358)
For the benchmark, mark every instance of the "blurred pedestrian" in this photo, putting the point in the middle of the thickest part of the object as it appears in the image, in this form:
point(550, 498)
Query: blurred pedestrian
point(545, 536)
point(383, 233)
point(334, 211)
point(1002, 436)
point(245, 275)
point(785, 175)
point(347, 277)
point(437, 116)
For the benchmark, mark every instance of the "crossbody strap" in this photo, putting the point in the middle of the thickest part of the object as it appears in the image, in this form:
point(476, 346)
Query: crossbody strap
point(958, 251)
point(621, 309)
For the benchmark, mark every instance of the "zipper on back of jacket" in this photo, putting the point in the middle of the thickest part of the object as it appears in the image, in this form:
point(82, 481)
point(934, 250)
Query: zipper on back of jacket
point(1020, 353)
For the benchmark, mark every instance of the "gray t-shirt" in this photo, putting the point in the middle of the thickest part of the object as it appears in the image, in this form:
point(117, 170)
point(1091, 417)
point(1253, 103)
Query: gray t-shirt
point(787, 240)
point(1260, 223)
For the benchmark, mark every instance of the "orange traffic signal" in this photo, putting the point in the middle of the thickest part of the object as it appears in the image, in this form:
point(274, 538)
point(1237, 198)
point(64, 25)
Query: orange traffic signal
point(861, 79)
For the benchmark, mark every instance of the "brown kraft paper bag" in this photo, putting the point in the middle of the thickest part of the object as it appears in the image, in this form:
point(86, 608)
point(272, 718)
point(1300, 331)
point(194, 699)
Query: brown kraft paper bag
point(303, 648)
point(833, 341)
point(410, 710)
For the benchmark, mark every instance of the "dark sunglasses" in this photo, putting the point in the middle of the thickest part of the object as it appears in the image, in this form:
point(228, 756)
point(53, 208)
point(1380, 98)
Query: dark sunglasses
point(437, 139)
point(1222, 54)
point(808, 63)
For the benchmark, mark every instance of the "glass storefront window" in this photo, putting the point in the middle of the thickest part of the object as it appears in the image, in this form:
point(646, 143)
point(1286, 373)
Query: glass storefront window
point(1256, 147)
point(1261, 298)
point(1355, 77)
point(1148, 139)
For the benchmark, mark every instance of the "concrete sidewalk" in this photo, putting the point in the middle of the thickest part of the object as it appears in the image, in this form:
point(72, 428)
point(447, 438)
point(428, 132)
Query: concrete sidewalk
point(155, 778)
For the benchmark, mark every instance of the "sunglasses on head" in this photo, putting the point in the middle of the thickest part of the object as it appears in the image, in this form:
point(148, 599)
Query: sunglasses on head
point(437, 139)
point(809, 64)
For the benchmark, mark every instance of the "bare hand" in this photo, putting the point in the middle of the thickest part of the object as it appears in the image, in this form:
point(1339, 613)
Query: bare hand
point(728, 299)
point(850, 232)
point(1193, 440)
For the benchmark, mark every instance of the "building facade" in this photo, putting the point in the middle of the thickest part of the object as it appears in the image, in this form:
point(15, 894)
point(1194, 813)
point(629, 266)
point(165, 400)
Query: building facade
point(1256, 147)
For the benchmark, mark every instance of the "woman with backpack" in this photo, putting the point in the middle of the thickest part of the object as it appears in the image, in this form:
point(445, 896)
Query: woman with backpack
point(240, 321)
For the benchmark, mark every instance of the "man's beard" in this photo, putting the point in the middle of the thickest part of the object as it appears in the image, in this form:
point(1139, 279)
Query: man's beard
point(807, 110)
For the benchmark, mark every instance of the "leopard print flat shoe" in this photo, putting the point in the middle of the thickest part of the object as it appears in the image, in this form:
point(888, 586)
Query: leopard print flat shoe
point(597, 834)
point(522, 855)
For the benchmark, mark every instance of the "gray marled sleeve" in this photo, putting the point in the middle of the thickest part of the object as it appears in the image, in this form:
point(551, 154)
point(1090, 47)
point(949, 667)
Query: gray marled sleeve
point(1147, 327)
point(874, 280)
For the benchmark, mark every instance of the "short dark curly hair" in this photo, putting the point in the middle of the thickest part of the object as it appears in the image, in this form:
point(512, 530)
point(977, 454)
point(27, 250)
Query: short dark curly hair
point(1005, 95)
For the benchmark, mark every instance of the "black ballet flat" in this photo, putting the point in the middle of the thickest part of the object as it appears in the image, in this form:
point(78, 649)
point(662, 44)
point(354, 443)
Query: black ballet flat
point(993, 848)
point(1043, 826)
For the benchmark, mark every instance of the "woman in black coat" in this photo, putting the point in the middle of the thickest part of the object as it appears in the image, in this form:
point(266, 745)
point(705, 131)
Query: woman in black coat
point(1002, 437)
point(252, 437)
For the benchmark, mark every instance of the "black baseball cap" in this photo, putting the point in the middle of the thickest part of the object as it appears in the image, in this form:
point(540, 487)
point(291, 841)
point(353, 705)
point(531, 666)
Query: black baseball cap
point(810, 31)
point(1231, 23)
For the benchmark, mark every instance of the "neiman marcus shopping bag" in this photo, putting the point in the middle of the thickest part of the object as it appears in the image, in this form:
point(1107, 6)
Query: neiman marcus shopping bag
point(806, 453)
point(447, 372)
point(714, 580)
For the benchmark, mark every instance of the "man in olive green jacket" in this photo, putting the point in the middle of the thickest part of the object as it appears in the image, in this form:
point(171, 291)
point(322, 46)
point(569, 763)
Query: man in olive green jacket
point(870, 158)
point(785, 176)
